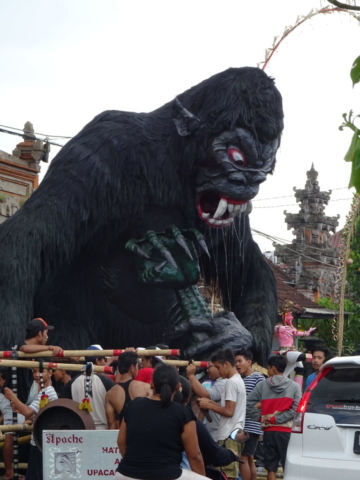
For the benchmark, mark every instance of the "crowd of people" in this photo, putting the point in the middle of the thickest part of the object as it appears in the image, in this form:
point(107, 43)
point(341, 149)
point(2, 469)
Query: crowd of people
point(172, 425)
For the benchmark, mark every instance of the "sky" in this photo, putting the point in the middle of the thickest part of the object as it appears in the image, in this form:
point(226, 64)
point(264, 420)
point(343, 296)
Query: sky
point(63, 62)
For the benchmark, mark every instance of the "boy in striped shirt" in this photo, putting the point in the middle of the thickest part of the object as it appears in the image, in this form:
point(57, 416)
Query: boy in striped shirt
point(244, 360)
point(35, 464)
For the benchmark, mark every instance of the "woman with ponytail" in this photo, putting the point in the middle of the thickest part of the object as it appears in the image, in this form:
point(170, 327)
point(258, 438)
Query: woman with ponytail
point(154, 433)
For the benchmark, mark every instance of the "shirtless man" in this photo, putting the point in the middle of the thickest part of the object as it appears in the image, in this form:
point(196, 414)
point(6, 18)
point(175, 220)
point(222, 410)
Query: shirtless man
point(119, 396)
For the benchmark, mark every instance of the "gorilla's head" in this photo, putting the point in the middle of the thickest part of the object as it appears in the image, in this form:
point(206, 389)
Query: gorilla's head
point(236, 120)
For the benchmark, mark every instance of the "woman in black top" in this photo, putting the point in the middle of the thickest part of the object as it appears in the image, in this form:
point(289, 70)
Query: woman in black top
point(154, 433)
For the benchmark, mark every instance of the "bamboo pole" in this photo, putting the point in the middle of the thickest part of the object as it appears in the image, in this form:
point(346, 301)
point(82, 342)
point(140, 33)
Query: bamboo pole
point(175, 363)
point(185, 363)
point(21, 427)
point(53, 366)
point(22, 440)
point(22, 466)
point(90, 353)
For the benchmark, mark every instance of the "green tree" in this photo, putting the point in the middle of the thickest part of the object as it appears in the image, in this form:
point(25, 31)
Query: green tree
point(327, 329)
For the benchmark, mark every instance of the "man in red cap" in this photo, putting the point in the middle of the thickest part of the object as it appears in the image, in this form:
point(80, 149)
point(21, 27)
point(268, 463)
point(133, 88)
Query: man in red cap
point(35, 342)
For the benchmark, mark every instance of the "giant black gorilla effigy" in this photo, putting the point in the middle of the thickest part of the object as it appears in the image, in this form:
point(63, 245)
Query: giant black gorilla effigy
point(195, 164)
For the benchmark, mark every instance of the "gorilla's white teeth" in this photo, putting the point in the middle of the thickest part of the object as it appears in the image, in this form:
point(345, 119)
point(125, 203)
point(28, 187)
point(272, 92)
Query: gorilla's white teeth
point(224, 223)
point(221, 209)
point(249, 207)
point(230, 209)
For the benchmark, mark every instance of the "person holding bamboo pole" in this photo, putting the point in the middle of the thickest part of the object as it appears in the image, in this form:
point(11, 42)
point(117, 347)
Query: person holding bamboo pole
point(35, 341)
point(125, 390)
point(42, 377)
point(36, 337)
point(89, 390)
point(6, 411)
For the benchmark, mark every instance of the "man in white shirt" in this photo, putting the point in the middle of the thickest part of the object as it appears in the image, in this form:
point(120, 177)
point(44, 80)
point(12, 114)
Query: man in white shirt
point(233, 405)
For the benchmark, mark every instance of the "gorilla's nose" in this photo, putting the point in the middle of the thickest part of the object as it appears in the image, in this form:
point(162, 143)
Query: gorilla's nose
point(238, 177)
point(247, 178)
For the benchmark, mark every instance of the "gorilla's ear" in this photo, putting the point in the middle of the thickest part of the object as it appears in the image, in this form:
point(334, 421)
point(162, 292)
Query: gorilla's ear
point(186, 123)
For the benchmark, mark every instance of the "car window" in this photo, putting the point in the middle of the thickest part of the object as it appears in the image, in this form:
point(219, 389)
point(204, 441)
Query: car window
point(338, 394)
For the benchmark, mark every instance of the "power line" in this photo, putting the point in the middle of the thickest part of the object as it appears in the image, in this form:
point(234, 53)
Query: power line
point(37, 133)
point(287, 242)
point(269, 237)
point(288, 196)
point(30, 137)
point(296, 204)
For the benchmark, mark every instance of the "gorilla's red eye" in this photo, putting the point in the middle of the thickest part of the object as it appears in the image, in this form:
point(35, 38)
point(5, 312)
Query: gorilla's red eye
point(237, 157)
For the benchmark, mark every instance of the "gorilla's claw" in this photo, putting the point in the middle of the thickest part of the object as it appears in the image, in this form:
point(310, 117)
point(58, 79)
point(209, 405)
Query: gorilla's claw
point(131, 245)
point(158, 245)
point(181, 268)
point(179, 238)
point(201, 240)
point(159, 267)
point(182, 242)
point(165, 252)
point(141, 252)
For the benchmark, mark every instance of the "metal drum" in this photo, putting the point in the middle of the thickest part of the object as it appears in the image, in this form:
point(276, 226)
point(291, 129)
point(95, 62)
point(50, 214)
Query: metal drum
point(61, 414)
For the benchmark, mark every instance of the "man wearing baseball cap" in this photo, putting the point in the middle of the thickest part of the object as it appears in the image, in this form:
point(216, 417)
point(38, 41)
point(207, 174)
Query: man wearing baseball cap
point(36, 338)
point(96, 360)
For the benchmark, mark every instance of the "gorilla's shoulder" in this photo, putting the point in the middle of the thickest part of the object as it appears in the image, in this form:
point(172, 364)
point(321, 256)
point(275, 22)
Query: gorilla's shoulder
point(112, 124)
point(117, 117)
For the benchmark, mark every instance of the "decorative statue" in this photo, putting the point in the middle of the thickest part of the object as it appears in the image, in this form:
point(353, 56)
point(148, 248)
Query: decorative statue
point(285, 334)
point(195, 164)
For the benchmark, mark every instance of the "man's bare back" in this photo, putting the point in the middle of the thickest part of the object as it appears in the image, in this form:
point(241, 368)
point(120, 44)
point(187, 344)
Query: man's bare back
point(116, 397)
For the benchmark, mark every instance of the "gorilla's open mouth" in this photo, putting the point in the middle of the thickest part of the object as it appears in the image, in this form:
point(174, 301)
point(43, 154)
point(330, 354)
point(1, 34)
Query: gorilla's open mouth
point(219, 211)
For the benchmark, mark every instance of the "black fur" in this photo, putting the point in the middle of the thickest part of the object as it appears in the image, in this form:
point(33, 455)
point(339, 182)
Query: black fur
point(62, 255)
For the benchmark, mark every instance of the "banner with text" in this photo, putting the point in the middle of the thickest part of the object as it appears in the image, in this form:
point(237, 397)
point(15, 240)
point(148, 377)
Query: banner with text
point(80, 454)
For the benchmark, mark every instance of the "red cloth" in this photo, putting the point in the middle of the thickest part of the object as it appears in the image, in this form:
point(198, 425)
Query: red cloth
point(145, 375)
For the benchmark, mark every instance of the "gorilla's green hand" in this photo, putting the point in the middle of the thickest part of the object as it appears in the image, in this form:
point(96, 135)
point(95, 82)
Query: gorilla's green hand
point(168, 259)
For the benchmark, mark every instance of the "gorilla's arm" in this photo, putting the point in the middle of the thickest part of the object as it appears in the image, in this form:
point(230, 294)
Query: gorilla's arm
point(246, 283)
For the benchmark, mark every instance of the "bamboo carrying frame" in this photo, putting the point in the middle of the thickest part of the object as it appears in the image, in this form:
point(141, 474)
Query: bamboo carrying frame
point(89, 353)
point(53, 366)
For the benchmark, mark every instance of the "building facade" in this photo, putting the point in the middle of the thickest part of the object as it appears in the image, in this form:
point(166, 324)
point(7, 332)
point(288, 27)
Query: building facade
point(19, 173)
